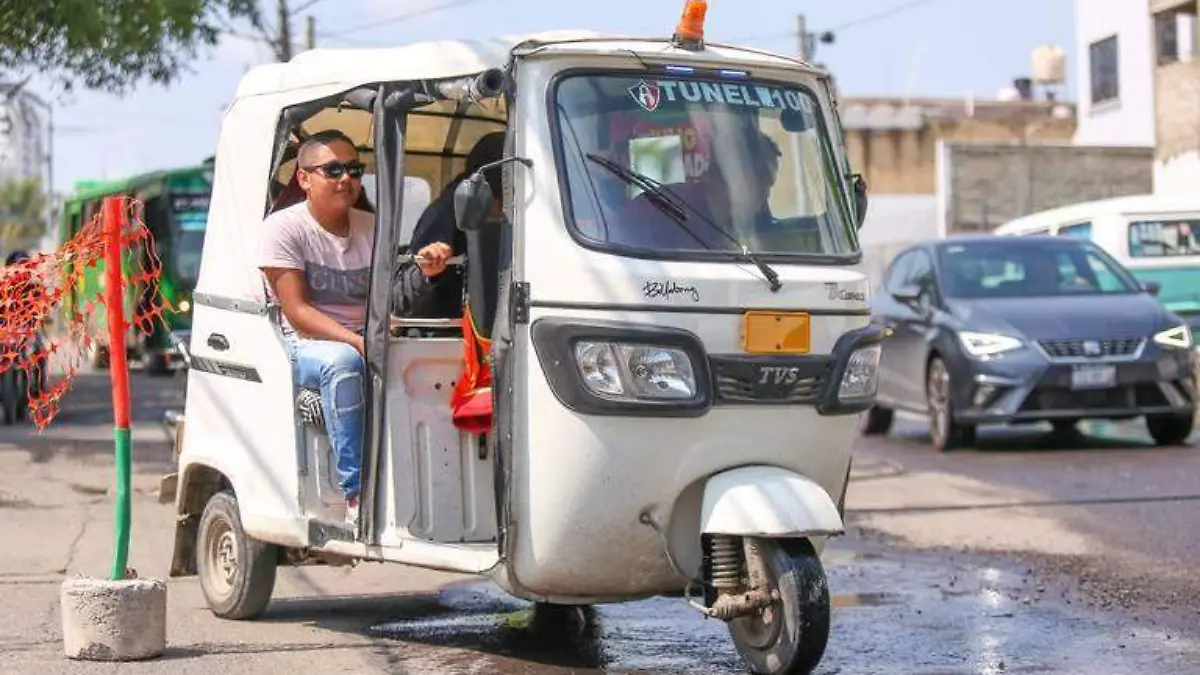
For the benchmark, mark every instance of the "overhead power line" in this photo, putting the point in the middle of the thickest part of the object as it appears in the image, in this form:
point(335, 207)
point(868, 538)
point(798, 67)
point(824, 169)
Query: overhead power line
point(861, 21)
point(344, 33)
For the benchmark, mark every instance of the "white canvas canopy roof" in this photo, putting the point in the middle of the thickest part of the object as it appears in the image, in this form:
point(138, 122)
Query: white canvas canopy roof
point(445, 59)
point(438, 59)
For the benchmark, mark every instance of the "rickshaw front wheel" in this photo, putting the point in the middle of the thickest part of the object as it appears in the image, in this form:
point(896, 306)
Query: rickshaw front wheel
point(789, 636)
point(237, 573)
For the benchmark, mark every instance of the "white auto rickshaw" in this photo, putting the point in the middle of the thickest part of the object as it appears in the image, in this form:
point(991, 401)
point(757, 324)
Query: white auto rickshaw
point(675, 376)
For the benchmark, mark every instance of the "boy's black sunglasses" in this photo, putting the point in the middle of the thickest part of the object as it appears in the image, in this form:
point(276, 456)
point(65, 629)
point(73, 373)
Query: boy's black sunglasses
point(335, 170)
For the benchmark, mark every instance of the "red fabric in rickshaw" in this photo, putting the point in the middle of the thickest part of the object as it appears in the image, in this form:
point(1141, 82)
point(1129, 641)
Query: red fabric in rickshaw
point(471, 402)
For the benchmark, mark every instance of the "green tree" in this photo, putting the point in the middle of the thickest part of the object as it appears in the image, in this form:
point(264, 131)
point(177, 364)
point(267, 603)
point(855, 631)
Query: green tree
point(112, 44)
point(22, 213)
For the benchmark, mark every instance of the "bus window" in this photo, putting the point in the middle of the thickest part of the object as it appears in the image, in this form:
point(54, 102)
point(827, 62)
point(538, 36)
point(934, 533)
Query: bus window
point(1162, 238)
point(1080, 230)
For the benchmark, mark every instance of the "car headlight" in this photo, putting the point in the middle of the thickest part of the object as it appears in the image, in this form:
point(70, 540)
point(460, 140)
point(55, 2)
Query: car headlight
point(1179, 337)
point(632, 372)
point(987, 344)
point(861, 377)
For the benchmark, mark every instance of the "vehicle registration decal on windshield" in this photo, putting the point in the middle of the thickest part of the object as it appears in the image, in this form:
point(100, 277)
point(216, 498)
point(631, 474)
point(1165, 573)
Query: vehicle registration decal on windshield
point(650, 95)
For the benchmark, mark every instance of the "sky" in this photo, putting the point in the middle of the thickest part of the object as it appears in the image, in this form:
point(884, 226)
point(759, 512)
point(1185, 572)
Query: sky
point(885, 47)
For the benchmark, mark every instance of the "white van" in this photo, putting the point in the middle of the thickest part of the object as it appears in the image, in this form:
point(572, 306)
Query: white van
point(1156, 237)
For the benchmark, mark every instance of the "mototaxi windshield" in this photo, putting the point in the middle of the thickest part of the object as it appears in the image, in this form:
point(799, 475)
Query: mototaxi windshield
point(709, 166)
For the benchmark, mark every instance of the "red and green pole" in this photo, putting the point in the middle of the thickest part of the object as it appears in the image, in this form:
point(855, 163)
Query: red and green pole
point(114, 301)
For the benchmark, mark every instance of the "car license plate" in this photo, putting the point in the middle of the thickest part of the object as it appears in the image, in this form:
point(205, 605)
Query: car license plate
point(776, 333)
point(1094, 377)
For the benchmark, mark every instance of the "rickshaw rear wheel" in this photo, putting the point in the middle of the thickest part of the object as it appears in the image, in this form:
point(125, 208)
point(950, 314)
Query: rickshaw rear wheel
point(237, 573)
point(789, 636)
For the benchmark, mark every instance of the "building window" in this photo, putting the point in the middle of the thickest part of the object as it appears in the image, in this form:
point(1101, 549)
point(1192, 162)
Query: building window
point(1103, 58)
point(1174, 33)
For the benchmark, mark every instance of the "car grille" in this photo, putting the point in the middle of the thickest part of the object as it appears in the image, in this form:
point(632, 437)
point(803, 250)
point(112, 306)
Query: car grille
point(1061, 398)
point(1096, 349)
point(741, 379)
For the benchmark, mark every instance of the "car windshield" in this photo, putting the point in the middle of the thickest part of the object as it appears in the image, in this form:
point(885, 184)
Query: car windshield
point(691, 165)
point(1016, 268)
point(189, 214)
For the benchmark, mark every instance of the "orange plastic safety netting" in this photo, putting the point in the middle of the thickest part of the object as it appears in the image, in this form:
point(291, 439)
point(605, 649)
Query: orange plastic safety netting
point(68, 284)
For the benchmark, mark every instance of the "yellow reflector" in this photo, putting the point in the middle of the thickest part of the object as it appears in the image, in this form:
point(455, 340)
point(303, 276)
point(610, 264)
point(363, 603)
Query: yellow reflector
point(776, 333)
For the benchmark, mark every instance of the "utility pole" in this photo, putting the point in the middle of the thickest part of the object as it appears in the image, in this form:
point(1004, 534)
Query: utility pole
point(804, 37)
point(310, 33)
point(283, 47)
point(807, 40)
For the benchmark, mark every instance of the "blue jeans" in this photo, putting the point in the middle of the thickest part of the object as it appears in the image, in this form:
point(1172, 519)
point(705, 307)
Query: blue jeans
point(337, 370)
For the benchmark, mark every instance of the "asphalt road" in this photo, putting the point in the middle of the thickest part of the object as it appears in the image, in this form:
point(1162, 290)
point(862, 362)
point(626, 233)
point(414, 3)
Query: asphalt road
point(1028, 555)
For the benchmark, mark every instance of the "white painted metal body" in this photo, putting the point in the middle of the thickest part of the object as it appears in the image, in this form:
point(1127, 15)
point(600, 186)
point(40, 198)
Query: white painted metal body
point(594, 503)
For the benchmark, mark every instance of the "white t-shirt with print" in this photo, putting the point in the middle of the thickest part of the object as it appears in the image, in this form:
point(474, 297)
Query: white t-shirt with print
point(337, 270)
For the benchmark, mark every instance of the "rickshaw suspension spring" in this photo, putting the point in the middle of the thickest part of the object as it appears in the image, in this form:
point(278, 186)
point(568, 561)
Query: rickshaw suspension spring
point(726, 561)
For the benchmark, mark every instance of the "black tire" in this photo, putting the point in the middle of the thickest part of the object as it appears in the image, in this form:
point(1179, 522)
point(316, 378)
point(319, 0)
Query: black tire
point(1170, 429)
point(790, 640)
point(1068, 427)
point(10, 396)
point(237, 573)
point(23, 394)
point(876, 421)
point(945, 433)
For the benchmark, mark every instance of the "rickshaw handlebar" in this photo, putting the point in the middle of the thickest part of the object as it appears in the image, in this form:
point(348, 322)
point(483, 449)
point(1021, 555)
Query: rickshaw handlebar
point(408, 257)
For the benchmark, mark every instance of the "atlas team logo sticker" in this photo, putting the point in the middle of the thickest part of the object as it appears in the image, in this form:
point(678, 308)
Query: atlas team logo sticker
point(647, 95)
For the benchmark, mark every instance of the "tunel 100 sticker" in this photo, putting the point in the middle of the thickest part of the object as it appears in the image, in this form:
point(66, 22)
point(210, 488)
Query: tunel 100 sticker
point(651, 94)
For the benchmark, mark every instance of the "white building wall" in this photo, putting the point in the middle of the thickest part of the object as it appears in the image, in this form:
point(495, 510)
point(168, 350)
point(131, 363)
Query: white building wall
point(22, 140)
point(894, 222)
point(1177, 175)
point(1130, 119)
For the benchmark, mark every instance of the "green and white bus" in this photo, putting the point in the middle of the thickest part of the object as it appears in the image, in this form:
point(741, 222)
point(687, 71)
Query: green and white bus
point(176, 214)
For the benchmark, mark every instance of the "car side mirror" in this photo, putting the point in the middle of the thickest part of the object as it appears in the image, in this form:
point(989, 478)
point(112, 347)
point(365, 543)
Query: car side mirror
point(472, 202)
point(1152, 287)
point(860, 198)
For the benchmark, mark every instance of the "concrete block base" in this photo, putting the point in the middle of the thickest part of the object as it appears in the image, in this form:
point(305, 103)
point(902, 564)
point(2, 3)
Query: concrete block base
point(107, 620)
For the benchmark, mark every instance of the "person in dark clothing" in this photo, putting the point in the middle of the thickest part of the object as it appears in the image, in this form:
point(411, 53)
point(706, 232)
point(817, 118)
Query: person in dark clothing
point(440, 296)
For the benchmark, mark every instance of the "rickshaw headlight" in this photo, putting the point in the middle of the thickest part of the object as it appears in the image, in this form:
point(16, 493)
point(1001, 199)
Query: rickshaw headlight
point(636, 371)
point(861, 377)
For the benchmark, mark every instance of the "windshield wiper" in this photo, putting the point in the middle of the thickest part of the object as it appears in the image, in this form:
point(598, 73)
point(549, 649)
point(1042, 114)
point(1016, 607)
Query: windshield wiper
point(767, 271)
point(666, 202)
point(670, 203)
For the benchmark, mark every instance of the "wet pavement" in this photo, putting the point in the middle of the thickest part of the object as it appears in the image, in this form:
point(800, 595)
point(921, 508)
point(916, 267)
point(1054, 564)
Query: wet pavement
point(894, 612)
point(1028, 554)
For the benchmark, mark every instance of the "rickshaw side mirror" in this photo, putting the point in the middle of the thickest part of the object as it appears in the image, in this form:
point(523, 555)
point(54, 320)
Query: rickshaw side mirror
point(472, 202)
point(860, 198)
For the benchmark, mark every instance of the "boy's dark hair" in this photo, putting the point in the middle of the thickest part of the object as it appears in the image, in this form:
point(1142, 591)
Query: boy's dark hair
point(319, 139)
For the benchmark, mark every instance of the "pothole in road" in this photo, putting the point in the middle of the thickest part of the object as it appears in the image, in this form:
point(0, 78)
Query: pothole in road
point(910, 613)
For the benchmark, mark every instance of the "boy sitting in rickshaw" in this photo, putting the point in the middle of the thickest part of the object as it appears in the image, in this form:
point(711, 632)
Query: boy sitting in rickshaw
point(316, 256)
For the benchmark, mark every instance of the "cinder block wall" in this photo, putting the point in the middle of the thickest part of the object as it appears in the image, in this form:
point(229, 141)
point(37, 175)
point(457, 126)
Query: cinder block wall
point(989, 184)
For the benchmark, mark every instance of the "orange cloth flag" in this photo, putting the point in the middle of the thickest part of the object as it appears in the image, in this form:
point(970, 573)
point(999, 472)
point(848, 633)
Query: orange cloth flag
point(471, 402)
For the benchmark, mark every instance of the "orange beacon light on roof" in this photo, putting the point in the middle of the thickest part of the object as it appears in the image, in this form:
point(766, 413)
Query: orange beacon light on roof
point(689, 34)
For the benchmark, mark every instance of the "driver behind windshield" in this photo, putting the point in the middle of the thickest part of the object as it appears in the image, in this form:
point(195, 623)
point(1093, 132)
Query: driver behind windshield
point(727, 206)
